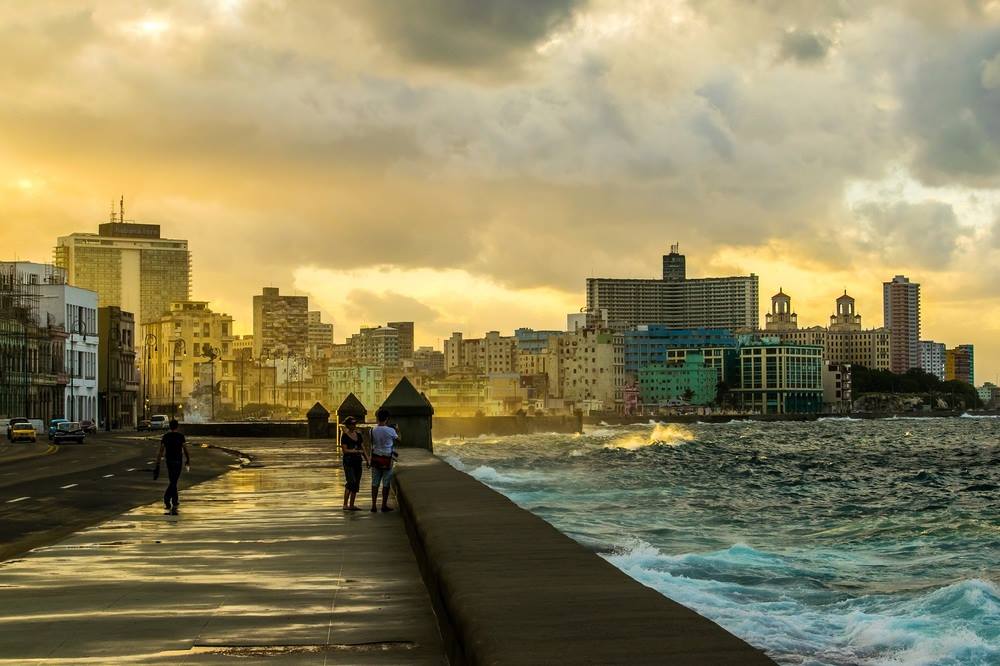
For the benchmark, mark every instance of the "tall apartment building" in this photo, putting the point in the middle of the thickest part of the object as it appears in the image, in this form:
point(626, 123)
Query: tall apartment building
point(129, 265)
point(33, 351)
point(959, 364)
point(675, 300)
point(932, 355)
point(901, 307)
point(320, 336)
point(405, 329)
point(651, 344)
point(185, 336)
point(428, 361)
point(280, 324)
point(117, 378)
point(491, 354)
point(844, 341)
point(375, 347)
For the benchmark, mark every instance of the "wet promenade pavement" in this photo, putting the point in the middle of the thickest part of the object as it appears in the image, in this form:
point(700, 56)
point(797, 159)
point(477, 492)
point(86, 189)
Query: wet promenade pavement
point(262, 566)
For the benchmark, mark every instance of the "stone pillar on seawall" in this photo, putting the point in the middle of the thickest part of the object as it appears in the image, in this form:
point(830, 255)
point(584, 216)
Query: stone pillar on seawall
point(411, 410)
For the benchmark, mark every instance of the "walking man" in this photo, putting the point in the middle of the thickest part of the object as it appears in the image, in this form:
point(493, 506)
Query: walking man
point(173, 447)
point(384, 439)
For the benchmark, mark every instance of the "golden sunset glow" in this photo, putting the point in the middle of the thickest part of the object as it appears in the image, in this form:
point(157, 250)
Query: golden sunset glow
point(470, 170)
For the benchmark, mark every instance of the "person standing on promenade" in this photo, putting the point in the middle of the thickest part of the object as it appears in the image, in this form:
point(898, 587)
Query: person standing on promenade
point(353, 449)
point(173, 447)
point(384, 438)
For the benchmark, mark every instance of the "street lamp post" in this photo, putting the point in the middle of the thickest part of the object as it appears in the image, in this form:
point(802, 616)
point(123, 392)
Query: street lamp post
point(211, 353)
point(148, 342)
point(181, 345)
point(81, 330)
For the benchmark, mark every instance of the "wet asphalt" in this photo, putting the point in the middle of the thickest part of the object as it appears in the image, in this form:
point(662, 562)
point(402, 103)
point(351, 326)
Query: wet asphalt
point(48, 492)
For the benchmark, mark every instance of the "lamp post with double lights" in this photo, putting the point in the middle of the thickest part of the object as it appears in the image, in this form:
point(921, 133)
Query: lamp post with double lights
point(211, 353)
point(180, 346)
point(81, 330)
point(149, 344)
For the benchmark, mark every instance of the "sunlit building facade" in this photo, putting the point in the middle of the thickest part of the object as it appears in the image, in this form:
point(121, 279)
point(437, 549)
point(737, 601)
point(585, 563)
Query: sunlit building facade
point(901, 310)
point(780, 378)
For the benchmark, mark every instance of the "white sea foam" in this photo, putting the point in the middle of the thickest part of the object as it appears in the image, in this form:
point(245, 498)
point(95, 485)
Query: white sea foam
point(936, 627)
point(671, 434)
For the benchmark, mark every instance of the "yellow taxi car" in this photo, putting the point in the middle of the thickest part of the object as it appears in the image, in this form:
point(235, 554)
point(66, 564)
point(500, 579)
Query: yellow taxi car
point(23, 432)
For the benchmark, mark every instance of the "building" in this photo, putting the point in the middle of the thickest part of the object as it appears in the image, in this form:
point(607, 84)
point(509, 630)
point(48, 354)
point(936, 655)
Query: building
point(74, 310)
point(542, 364)
point(375, 346)
point(932, 355)
point(780, 378)
point(320, 336)
point(405, 329)
point(280, 324)
point(130, 266)
point(651, 344)
point(117, 378)
point(676, 301)
point(493, 353)
point(844, 341)
point(33, 352)
point(592, 370)
point(366, 382)
point(686, 382)
point(428, 361)
point(901, 308)
point(837, 388)
point(191, 343)
point(458, 394)
point(989, 393)
point(959, 364)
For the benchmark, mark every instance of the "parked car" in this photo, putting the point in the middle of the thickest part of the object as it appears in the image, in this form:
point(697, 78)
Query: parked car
point(88, 426)
point(159, 422)
point(10, 426)
point(143, 424)
point(23, 431)
point(53, 424)
point(69, 431)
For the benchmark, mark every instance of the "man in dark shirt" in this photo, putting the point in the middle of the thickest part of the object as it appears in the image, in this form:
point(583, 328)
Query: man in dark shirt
point(175, 450)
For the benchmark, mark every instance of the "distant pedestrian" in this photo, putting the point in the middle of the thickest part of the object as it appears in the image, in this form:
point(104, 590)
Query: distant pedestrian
point(384, 439)
point(353, 448)
point(173, 447)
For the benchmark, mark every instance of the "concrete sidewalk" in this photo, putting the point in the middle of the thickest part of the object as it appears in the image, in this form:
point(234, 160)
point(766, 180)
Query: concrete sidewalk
point(262, 566)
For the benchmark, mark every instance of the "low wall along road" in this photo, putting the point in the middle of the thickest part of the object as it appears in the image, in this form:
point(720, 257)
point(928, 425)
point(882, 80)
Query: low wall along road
point(509, 588)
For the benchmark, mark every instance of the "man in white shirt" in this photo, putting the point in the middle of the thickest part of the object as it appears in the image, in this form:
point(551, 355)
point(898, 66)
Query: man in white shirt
point(384, 439)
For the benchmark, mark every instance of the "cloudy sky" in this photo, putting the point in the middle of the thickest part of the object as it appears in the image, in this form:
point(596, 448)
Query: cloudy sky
point(469, 163)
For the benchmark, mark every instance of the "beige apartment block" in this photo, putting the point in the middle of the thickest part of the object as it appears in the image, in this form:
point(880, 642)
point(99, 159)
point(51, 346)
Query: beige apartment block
point(180, 344)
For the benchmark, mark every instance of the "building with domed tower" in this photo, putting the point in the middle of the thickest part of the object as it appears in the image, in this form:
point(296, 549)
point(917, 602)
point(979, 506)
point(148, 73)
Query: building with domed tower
point(844, 341)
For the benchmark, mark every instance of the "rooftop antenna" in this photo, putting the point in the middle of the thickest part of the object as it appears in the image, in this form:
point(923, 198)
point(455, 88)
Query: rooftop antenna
point(111, 217)
point(121, 209)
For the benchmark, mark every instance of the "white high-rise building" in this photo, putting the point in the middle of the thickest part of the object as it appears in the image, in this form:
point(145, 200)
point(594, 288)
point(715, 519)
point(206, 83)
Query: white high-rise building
point(932, 357)
point(129, 266)
point(675, 300)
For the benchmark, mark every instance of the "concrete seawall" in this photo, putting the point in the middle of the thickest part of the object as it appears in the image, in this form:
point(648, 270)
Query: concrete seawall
point(473, 426)
point(509, 588)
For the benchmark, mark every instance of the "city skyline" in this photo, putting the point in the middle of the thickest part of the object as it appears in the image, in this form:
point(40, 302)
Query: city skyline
point(407, 176)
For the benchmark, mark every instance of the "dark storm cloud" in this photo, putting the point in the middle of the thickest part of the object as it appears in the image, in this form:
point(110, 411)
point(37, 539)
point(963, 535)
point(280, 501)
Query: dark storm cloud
point(804, 47)
point(952, 109)
point(465, 34)
point(918, 235)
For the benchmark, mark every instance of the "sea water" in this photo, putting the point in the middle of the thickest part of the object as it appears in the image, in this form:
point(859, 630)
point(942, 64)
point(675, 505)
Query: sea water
point(833, 542)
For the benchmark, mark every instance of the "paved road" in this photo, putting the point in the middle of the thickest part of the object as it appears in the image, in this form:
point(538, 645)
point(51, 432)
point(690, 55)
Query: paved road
point(61, 489)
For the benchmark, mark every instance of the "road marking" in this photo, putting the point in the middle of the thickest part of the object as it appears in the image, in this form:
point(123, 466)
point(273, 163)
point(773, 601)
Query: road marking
point(108, 475)
point(72, 485)
point(19, 499)
point(130, 469)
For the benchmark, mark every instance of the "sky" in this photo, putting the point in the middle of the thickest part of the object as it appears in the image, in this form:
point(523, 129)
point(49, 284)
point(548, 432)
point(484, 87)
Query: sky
point(467, 164)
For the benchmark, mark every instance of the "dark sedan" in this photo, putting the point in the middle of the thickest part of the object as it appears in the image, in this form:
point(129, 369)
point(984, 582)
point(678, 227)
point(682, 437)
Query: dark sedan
point(69, 431)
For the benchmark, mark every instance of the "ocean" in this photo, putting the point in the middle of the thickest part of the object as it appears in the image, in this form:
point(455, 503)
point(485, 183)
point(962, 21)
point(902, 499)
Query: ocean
point(839, 541)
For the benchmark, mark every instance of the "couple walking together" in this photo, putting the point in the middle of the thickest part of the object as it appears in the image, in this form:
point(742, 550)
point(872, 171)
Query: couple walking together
point(383, 456)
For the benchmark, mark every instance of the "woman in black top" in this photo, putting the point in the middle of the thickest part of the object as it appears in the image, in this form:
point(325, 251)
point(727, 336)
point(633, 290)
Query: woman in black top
point(352, 446)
